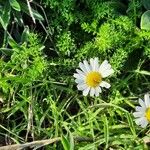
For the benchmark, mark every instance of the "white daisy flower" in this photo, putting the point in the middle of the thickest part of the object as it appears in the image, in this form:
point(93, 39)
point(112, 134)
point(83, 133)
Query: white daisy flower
point(142, 113)
point(89, 78)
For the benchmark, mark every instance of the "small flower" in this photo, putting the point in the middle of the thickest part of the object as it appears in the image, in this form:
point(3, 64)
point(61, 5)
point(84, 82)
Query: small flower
point(89, 78)
point(142, 113)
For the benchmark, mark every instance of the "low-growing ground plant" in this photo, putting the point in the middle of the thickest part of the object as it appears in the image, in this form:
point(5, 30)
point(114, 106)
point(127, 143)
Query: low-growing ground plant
point(54, 56)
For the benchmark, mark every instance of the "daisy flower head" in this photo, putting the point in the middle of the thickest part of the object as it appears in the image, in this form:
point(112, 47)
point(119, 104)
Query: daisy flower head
point(142, 114)
point(89, 77)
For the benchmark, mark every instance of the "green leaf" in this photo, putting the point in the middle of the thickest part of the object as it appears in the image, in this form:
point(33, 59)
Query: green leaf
point(12, 43)
point(144, 72)
point(18, 18)
point(15, 5)
point(71, 141)
point(16, 107)
point(145, 20)
point(106, 131)
point(146, 4)
point(6, 51)
point(131, 125)
point(25, 34)
point(65, 143)
point(5, 16)
point(25, 9)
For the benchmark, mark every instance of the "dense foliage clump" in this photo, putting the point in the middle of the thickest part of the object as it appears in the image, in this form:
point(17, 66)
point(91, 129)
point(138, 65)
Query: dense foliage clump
point(42, 43)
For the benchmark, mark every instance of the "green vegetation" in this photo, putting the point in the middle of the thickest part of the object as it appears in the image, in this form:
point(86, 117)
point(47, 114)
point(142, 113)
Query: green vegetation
point(41, 45)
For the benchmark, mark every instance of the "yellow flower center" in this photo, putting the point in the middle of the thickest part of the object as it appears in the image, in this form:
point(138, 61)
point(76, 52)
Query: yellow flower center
point(93, 79)
point(147, 114)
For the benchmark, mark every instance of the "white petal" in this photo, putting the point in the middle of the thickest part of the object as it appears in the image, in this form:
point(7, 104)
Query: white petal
point(140, 120)
point(139, 109)
point(92, 63)
point(105, 84)
point(103, 66)
point(96, 65)
point(87, 66)
point(147, 100)
point(144, 123)
point(81, 86)
point(106, 73)
point(86, 91)
point(79, 76)
point(92, 92)
point(100, 90)
point(141, 102)
point(82, 66)
point(80, 72)
point(138, 114)
point(79, 81)
point(105, 69)
point(97, 91)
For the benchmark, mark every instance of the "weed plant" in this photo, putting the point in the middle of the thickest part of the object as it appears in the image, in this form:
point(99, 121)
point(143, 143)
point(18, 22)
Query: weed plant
point(42, 43)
